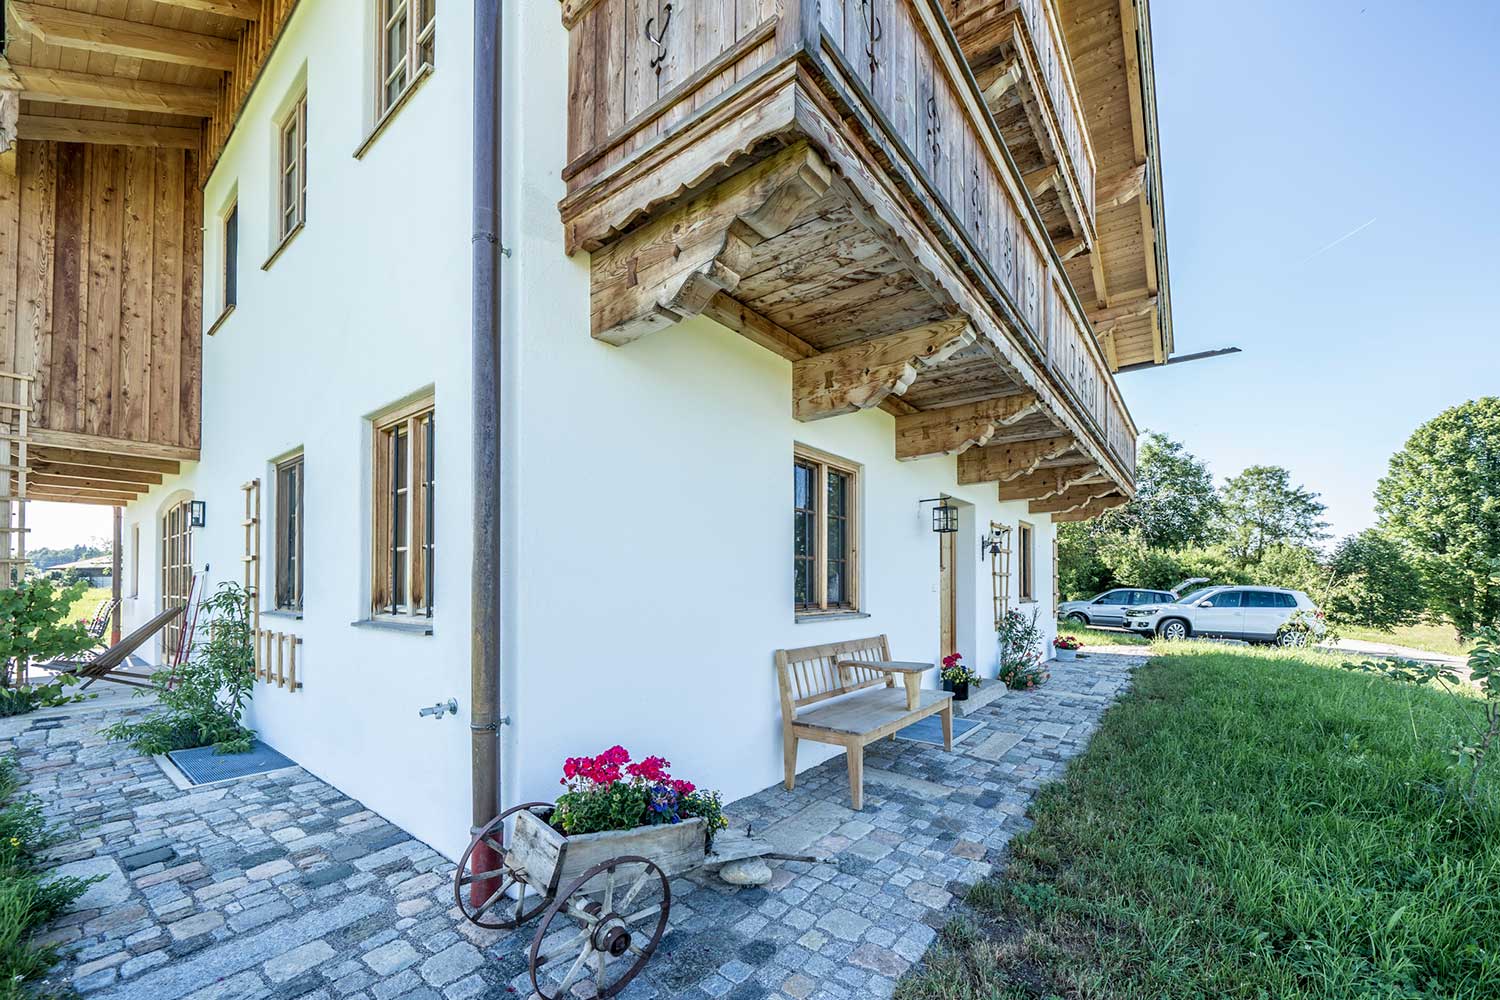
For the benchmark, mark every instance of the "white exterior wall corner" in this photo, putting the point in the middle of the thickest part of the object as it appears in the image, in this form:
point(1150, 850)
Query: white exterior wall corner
point(369, 303)
point(648, 528)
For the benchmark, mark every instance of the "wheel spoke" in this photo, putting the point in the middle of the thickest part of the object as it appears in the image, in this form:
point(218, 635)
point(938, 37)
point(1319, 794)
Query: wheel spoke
point(479, 876)
point(493, 844)
point(641, 914)
point(609, 891)
point(635, 889)
point(494, 898)
point(563, 948)
point(573, 972)
point(599, 976)
point(580, 914)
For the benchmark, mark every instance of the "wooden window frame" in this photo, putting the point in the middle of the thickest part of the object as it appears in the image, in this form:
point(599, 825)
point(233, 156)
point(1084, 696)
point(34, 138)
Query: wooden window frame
point(1025, 562)
point(410, 597)
point(230, 250)
point(135, 561)
point(821, 462)
point(290, 561)
point(418, 50)
point(291, 199)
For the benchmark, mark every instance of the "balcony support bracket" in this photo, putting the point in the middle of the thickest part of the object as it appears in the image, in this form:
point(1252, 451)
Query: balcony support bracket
point(955, 429)
point(1003, 463)
point(863, 375)
point(1047, 483)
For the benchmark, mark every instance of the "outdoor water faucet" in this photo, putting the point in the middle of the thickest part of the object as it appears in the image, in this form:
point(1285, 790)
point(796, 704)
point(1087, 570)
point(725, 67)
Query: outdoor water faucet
point(450, 707)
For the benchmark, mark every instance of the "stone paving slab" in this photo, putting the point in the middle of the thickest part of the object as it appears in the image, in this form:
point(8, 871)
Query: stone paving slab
point(279, 886)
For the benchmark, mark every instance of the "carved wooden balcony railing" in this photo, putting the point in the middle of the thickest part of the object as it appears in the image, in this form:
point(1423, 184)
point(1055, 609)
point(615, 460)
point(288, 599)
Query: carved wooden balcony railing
point(824, 177)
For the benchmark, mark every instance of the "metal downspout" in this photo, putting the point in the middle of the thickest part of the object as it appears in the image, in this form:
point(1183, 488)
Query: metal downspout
point(484, 649)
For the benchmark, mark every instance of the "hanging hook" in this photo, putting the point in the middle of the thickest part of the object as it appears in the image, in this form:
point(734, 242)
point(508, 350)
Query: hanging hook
point(660, 40)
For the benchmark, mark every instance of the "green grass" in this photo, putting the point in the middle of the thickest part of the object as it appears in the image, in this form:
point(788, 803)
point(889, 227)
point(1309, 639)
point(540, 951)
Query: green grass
point(1433, 638)
point(84, 608)
point(1245, 824)
point(25, 903)
point(1099, 636)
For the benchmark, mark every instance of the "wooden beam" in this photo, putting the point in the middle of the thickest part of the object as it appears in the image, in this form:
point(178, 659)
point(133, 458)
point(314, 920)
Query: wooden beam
point(1045, 483)
point(93, 443)
point(1126, 189)
point(41, 479)
point(113, 36)
point(1042, 179)
point(1096, 266)
point(1068, 249)
point(10, 113)
point(97, 461)
point(862, 375)
point(1131, 44)
point(1088, 511)
point(1003, 463)
point(995, 93)
point(243, 10)
point(1072, 499)
point(100, 501)
point(109, 133)
point(93, 472)
point(955, 429)
point(1102, 319)
point(96, 91)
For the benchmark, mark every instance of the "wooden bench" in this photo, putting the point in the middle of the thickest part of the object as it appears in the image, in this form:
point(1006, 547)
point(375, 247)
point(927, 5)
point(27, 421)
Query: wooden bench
point(876, 708)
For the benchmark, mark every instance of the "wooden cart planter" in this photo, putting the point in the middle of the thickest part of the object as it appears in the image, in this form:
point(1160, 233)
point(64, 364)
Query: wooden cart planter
point(604, 897)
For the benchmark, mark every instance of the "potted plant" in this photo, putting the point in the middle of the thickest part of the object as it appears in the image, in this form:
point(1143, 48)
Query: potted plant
point(1065, 648)
point(1021, 651)
point(957, 677)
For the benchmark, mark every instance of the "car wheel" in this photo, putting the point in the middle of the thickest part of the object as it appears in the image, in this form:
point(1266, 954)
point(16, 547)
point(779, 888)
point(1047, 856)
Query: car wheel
point(1078, 618)
point(1292, 637)
point(1173, 629)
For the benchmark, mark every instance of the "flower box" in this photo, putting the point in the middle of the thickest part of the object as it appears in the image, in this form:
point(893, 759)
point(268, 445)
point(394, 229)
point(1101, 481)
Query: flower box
point(1064, 654)
point(552, 859)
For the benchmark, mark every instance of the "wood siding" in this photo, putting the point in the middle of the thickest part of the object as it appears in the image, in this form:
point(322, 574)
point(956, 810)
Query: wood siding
point(100, 295)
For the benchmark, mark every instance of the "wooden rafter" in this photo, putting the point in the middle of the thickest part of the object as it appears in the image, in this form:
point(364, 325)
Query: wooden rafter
point(1072, 499)
point(42, 479)
point(242, 10)
point(1002, 463)
point(10, 111)
point(99, 461)
point(115, 36)
point(91, 472)
point(955, 429)
point(1043, 179)
point(108, 133)
point(861, 375)
point(93, 90)
point(1046, 483)
point(1088, 511)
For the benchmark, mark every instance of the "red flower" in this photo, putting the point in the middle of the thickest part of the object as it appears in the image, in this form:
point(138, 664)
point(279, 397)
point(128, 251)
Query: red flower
point(683, 787)
point(652, 769)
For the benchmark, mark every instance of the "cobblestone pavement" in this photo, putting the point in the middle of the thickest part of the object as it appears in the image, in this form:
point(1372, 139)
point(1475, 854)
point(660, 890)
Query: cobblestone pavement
point(281, 887)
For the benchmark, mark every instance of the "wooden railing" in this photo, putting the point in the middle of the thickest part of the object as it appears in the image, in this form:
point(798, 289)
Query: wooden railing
point(639, 82)
point(1040, 17)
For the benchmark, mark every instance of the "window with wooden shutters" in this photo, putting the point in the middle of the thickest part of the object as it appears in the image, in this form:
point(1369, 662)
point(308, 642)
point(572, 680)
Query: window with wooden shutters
point(825, 523)
point(290, 484)
point(407, 43)
point(404, 523)
point(292, 195)
point(1026, 562)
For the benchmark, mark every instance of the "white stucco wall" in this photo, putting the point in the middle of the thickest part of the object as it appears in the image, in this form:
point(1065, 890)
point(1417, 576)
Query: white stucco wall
point(367, 305)
point(647, 490)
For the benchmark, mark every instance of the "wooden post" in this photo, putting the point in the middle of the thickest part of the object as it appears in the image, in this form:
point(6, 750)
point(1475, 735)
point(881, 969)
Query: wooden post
point(114, 574)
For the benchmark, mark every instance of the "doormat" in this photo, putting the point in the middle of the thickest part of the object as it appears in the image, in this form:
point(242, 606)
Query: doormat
point(930, 730)
point(202, 766)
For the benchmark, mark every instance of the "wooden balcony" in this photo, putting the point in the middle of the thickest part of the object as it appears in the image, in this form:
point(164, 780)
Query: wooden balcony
point(824, 177)
point(1016, 51)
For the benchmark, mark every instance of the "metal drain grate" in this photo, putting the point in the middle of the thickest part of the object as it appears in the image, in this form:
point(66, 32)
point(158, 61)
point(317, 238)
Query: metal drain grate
point(202, 765)
point(930, 730)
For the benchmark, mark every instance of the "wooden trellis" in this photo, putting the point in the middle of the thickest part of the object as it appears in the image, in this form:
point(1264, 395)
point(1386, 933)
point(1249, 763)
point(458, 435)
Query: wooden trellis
point(251, 558)
point(15, 417)
point(1000, 570)
point(276, 658)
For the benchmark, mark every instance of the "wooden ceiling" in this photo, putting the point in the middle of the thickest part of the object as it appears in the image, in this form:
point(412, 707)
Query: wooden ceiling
point(1109, 46)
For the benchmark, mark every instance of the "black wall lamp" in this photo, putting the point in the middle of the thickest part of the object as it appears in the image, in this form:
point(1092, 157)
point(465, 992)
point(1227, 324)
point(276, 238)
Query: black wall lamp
point(197, 514)
point(944, 515)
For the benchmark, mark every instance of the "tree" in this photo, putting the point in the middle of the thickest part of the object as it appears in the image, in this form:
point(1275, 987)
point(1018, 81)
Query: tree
point(34, 625)
point(1175, 504)
point(1376, 583)
point(1262, 508)
point(1441, 500)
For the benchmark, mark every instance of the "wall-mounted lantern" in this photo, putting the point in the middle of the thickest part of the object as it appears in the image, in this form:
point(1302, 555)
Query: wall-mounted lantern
point(197, 514)
point(944, 515)
point(994, 543)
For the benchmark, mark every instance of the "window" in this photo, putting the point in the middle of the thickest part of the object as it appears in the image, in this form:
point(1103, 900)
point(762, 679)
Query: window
point(290, 485)
point(1114, 597)
point(1026, 562)
point(1227, 599)
point(231, 256)
point(825, 531)
point(1286, 601)
point(405, 484)
point(406, 44)
point(1262, 599)
point(293, 177)
point(135, 560)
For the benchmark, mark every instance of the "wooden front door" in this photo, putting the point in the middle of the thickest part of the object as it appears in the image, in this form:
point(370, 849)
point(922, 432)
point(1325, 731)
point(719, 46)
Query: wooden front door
point(176, 573)
point(948, 592)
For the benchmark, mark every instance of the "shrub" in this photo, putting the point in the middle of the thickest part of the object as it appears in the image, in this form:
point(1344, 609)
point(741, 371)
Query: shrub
point(1021, 651)
point(205, 698)
point(609, 792)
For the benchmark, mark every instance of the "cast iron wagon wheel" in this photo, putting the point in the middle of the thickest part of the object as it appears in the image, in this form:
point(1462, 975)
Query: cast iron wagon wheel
point(610, 932)
point(487, 914)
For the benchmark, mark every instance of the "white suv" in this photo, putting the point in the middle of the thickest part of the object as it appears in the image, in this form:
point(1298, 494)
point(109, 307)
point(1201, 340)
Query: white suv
point(1255, 614)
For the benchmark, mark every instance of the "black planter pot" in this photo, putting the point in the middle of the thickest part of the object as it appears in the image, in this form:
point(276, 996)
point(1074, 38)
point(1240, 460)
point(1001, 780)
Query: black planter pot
point(960, 692)
point(947, 685)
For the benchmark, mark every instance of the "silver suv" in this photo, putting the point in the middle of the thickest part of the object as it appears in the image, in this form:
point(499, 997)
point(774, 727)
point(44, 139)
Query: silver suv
point(1109, 608)
point(1255, 614)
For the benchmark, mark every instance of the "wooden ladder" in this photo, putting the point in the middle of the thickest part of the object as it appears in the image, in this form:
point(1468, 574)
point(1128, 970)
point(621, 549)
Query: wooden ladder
point(15, 429)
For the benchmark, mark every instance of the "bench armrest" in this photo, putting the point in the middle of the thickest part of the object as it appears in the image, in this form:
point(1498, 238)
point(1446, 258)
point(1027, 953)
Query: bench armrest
point(911, 674)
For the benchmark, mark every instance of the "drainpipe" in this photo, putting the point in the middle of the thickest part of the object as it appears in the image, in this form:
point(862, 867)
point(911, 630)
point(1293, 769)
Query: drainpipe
point(484, 648)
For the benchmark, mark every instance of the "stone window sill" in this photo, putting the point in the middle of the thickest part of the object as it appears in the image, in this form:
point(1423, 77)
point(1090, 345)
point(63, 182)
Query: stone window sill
point(423, 627)
point(393, 110)
point(829, 616)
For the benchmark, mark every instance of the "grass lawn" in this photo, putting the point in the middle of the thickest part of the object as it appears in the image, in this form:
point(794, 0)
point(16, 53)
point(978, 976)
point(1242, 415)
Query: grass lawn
point(1245, 824)
point(84, 608)
point(1100, 636)
point(1432, 638)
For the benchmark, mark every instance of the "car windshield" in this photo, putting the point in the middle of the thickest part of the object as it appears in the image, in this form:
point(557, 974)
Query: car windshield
point(1197, 595)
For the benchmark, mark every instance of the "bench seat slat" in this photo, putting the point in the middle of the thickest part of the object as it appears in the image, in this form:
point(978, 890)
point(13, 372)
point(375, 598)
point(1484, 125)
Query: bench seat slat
point(872, 710)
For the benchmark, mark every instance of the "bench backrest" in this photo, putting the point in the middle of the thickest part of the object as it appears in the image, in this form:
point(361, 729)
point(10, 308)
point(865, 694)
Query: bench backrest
point(810, 674)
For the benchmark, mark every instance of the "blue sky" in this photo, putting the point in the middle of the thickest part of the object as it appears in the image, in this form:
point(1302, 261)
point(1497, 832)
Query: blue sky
point(1285, 127)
